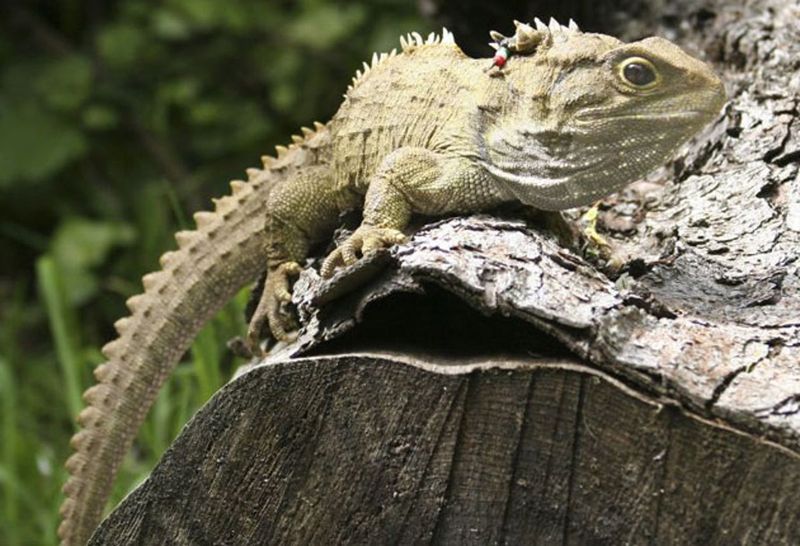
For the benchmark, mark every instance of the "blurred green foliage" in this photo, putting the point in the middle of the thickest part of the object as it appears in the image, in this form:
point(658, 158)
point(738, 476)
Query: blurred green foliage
point(117, 119)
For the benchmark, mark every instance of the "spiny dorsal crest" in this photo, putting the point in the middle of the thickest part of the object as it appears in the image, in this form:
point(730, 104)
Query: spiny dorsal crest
point(527, 39)
point(376, 60)
point(408, 43)
point(411, 41)
point(283, 155)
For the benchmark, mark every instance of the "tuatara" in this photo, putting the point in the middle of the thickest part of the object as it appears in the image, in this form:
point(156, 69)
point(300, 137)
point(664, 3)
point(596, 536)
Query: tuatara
point(556, 119)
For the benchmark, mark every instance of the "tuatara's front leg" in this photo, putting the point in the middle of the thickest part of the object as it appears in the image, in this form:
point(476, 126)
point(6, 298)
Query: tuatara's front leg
point(412, 180)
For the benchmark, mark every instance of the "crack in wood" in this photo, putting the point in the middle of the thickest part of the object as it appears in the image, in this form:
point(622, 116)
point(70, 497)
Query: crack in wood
point(576, 446)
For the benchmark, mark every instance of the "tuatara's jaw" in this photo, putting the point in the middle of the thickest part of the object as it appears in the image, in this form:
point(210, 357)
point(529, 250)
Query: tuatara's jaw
point(549, 193)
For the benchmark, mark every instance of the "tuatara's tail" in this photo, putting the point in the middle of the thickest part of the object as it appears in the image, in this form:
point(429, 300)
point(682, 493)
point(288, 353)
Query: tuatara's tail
point(212, 263)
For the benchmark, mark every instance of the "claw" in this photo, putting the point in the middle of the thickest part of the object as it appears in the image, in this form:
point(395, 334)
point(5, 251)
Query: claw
point(283, 294)
point(271, 308)
point(590, 232)
point(365, 240)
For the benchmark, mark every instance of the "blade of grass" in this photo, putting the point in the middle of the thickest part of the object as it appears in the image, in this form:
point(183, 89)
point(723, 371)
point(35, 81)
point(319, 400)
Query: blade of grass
point(175, 204)
point(11, 498)
point(9, 402)
point(207, 362)
point(62, 318)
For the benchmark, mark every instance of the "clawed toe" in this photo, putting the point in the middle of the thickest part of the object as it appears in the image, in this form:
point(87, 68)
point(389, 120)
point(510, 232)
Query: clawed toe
point(365, 240)
point(273, 308)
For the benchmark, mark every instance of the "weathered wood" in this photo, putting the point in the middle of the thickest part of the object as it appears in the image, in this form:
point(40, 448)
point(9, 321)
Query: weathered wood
point(655, 400)
point(374, 450)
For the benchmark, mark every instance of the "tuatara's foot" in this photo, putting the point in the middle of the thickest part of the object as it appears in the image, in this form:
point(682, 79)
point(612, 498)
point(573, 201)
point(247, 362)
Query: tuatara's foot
point(597, 243)
point(273, 308)
point(364, 240)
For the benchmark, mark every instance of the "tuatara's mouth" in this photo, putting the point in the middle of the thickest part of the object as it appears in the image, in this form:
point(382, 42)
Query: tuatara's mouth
point(646, 117)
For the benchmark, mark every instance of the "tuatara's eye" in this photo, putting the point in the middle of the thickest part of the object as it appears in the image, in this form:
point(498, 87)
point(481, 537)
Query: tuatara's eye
point(638, 72)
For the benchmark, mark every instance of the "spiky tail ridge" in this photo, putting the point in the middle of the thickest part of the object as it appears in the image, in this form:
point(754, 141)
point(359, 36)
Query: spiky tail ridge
point(212, 263)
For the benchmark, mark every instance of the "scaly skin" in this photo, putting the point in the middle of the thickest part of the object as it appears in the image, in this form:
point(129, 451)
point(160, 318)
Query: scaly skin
point(426, 131)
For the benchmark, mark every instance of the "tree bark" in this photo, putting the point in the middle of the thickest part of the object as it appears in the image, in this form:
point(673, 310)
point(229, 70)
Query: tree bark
point(483, 384)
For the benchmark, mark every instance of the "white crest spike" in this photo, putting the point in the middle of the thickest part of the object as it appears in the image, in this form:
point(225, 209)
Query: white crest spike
point(403, 43)
point(98, 395)
point(447, 36)
point(204, 218)
point(150, 281)
point(252, 174)
point(185, 238)
point(307, 131)
point(74, 465)
point(319, 126)
point(555, 28)
point(375, 59)
point(167, 258)
point(238, 186)
point(73, 486)
point(225, 204)
point(281, 151)
point(122, 324)
point(112, 348)
point(540, 26)
point(297, 139)
point(102, 372)
point(133, 303)
point(417, 38)
point(90, 417)
point(573, 26)
point(79, 439)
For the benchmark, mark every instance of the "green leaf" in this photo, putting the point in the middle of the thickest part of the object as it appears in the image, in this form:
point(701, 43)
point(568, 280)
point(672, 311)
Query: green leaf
point(34, 143)
point(65, 83)
point(169, 25)
point(210, 14)
point(121, 45)
point(181, 91)
point(78, 246)
point(325, 25)
point(99, 117)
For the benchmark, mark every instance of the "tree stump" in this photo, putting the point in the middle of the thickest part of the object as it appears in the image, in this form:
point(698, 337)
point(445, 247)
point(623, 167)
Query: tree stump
point(483, 384)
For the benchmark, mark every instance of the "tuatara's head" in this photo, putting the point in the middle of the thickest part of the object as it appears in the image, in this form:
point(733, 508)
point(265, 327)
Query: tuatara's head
point(577, 116)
